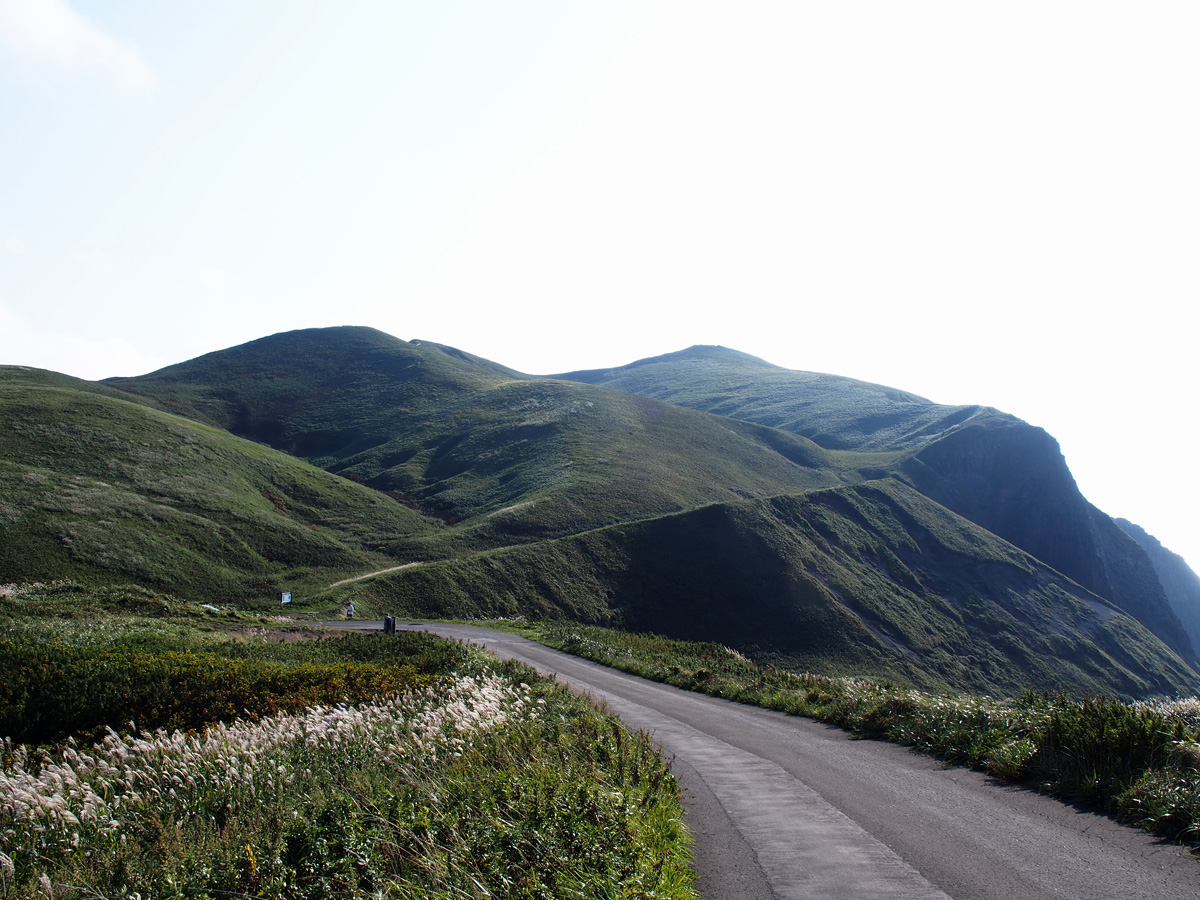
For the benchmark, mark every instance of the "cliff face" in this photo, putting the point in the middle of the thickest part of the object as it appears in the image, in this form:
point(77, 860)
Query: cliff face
point(1011, 478)
point(1181, 584)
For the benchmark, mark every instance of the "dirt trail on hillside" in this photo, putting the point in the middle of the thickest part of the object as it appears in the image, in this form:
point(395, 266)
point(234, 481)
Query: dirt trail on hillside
point(373, 574)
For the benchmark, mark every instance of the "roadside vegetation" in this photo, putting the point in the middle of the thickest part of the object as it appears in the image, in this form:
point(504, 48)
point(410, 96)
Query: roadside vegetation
point(356, 766)
point(1139, 761)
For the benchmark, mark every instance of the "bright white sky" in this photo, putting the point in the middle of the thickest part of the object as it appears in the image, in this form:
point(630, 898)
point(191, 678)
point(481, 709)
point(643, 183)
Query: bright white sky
point(981, 203)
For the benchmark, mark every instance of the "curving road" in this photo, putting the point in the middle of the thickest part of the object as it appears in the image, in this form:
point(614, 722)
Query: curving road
point(783, 807)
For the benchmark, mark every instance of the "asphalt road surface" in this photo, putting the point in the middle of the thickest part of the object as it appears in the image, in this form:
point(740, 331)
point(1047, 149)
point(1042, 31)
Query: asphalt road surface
point(783, 807)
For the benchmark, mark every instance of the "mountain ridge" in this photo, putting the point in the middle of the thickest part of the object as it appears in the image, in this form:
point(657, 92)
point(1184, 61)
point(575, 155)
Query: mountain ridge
point(975, 460)
point(859, 580)
point(510, 488)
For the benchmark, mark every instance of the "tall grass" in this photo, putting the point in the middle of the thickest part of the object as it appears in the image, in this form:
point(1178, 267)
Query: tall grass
point(447, 775)
point(483, 787)
point(1139, 761)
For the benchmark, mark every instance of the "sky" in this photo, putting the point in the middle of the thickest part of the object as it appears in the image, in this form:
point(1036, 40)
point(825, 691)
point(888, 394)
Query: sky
point(978, 203)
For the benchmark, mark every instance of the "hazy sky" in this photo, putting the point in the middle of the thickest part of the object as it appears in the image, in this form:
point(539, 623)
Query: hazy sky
point(981, 203)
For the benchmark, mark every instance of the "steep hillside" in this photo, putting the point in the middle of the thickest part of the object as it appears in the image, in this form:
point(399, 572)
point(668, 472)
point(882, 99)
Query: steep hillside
point(870, 580)
point(1181, 584)
point(516, 458)
point(1011, 478)
point(107, 491)
point(992, 468)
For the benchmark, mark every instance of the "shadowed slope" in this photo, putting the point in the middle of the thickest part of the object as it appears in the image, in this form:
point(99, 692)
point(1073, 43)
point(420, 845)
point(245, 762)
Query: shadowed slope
point(1181, 584)
point(867, 580)
point(1012, 479)
point(993, 468)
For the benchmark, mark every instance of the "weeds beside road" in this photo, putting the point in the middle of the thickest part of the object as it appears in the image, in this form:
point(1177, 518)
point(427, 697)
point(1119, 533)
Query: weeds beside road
point(1138, 761)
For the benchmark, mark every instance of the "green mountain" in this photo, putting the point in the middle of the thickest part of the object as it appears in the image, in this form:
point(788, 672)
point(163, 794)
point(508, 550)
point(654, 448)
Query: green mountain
point(514, 458)
point(990, 467)
point(106, 491)
point(835, 412)
point(305, 459)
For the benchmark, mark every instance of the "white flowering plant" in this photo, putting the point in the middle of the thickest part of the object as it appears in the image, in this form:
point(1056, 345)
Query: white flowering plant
point(487, 782)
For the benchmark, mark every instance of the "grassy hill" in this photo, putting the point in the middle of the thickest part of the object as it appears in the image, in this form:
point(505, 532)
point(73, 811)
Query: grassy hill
point(302, 459)
point(990, 467)
point(835, 412)
point(871, 580)
point(320, 394)
point(107, 491)
point(517, 458)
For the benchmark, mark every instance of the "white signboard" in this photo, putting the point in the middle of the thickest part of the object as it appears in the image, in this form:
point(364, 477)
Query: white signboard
point(287, 598)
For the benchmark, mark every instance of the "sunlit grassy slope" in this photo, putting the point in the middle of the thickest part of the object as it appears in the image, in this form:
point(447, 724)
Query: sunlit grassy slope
point(520, 458)
point(834, 411)
point(108, 491)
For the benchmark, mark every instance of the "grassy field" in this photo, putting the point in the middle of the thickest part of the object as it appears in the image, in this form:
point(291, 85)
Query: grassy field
point(1139, 761)
point(348, 766)
point(107, 491)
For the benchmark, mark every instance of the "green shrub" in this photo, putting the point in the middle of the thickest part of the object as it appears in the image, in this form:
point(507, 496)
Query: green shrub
point(52, 689)
point(1096, 750)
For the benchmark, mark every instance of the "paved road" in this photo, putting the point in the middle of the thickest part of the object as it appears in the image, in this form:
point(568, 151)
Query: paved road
point(782, 807)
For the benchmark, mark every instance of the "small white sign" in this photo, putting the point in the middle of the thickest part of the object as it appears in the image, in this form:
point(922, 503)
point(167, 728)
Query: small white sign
point(287, 598)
